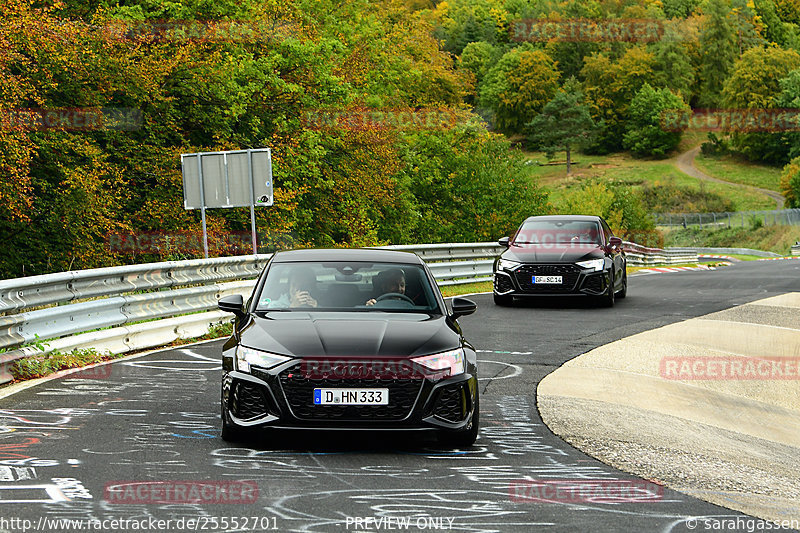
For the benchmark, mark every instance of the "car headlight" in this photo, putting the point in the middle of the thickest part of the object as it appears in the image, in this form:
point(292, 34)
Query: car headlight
point(506, 264)
point(248, 356)
point(452, 361)
point(594, 264)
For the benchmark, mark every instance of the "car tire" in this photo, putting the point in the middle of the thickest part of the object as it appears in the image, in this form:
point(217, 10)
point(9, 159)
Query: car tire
point(230, 431)
point(624, 291)
point(465, 437)
point(607, 299)
point(503, 300)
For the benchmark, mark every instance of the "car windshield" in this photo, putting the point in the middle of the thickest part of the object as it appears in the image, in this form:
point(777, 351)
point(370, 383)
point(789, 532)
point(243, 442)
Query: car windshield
point(558, 232)
point(337, 286)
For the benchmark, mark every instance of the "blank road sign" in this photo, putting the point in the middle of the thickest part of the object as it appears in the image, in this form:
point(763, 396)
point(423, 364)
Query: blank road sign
point(226, 179)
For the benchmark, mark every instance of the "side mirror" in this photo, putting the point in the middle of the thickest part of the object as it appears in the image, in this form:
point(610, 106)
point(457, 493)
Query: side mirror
point(463, 307)
point(503, 242)
point(615, 242)
point(232, 304)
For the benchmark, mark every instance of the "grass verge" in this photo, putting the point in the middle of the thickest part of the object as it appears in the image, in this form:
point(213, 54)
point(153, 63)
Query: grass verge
point(736, 170)
point(639, 173)
point(39, 366)
point(468, 288)
point(778, 239)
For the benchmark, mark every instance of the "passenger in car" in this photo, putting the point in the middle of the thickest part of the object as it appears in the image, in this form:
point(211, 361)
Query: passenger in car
point(388, 281)
point(302, 284)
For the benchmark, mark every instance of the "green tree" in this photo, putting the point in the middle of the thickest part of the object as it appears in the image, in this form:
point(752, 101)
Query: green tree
point(679, 9)
point(563, 124)
point(776, 30)
point(463, 22)
point(756, 83)
point(518, 87)
point(788, 11)
point(755, 80)
point(718, 52)
point(610, 87)
point(673, 65)
point(477, 58)
point(746, 25)
point(645, 135)
point(790, 99)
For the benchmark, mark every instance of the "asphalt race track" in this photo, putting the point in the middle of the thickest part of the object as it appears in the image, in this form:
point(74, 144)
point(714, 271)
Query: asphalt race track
point(68, 445)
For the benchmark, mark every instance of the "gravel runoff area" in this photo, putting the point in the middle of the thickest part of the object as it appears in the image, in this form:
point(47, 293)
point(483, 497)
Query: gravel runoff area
point(721, 432)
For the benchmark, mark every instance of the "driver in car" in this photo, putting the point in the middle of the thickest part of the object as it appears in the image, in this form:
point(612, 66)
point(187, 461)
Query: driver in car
point(392, 281)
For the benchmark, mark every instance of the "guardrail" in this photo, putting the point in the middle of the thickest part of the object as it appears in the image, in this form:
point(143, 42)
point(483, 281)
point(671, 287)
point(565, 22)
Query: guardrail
point(642, 256)
point(129, 308)
point(796, 249)
point(740, 251)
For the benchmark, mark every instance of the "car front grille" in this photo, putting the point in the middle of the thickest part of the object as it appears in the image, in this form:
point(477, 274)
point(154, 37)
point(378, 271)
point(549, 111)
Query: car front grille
point(248, 400)
point(569, 276)
point(299, 392)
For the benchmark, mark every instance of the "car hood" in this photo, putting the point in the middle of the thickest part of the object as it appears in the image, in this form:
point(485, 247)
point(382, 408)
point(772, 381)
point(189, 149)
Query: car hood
point(366, 334)
point(553, 253)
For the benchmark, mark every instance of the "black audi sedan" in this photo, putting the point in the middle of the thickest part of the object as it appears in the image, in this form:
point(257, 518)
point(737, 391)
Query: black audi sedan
point(561, 255)
point(349, 339)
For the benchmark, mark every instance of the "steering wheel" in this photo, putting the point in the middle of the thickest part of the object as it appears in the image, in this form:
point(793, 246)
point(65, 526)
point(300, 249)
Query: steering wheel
point(394, 296)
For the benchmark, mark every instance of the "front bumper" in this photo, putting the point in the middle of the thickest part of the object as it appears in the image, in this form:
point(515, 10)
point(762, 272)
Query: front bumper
point(575, 280)
point(283, 398)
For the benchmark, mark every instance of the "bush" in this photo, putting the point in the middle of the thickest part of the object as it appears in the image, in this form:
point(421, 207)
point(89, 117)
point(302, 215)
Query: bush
point(620, 205)
point(667, 197)
point(790, 183)
point(714, 147)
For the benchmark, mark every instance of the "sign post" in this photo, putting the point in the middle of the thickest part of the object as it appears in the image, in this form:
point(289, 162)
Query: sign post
point(236, 178)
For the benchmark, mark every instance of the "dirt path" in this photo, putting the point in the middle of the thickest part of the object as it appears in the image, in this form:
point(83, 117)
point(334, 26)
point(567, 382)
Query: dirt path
point(685, 163)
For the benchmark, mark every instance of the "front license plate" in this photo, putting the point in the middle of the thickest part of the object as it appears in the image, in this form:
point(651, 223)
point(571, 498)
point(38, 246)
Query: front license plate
point(551, 280)
point(351, 396)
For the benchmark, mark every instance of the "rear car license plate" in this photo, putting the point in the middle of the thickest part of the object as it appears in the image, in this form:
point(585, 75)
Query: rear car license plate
point(552, 280)
point(351, 396)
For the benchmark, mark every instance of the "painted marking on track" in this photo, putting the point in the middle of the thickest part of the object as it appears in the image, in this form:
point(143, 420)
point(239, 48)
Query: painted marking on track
point(517, 371)
point(31, 494)
point(196, 432)
point(501, 352)
point(157, 366)
point(192, 353)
